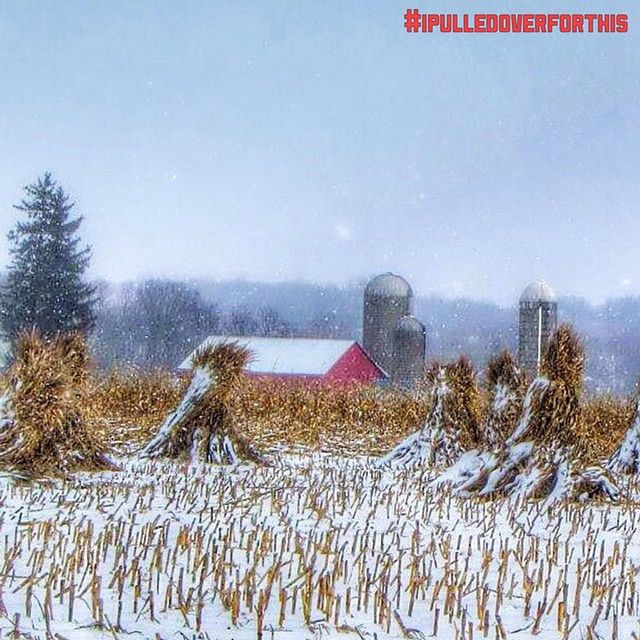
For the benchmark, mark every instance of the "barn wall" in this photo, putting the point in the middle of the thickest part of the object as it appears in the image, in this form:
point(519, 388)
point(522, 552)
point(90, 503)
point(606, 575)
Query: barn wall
point(354, 367)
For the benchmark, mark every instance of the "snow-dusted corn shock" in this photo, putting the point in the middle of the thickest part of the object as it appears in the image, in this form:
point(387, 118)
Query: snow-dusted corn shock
point(202, 428)
point(626, 459)
point(543, 457)
point(452, 424)
point(310, 547)
point(47, 427)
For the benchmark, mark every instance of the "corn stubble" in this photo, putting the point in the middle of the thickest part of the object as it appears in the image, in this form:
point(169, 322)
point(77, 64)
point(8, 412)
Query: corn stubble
point(331, 544)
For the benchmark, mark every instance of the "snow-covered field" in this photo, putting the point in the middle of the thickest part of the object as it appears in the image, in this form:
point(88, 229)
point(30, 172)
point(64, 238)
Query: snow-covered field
point(313, 547)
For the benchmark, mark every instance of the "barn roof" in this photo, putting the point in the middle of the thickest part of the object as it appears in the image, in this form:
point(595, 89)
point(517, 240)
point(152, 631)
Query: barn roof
point(285, 356)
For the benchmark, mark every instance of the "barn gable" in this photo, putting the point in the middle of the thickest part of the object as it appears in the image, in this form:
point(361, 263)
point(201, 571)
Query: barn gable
point(355, 366)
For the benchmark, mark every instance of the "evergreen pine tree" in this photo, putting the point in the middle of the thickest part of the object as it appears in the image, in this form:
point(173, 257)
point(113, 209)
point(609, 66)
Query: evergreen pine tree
point(45, 287)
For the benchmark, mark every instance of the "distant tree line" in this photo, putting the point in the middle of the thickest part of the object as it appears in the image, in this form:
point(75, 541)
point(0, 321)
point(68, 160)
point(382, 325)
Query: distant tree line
point(156, 323)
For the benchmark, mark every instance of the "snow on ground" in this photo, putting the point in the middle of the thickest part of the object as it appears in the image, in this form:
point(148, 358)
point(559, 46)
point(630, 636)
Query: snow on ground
point(311, 548)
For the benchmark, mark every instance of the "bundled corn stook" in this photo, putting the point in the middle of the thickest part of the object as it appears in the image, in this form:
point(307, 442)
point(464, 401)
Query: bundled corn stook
point(452, 425)
point(543, 457)
point(47, 428)
point(201, 427)
point(626, 458)
point(506, 388)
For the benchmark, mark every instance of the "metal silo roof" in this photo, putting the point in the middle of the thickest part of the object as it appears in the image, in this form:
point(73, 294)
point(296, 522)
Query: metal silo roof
point(410, 324)
point(388, 285)
point(538, 291)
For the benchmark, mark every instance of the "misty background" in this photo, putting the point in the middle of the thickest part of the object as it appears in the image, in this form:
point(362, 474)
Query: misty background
point(274, 155)
point(157, 323)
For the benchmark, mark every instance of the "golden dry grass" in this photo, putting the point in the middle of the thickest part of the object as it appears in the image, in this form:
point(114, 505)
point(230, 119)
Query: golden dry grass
point(134, 402)
point(270, 414)
point(355, 421)
point(362, 420)
point(347, 421)
point(604, 421)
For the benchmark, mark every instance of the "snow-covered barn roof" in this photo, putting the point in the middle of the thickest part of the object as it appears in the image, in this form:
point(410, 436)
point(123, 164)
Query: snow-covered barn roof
point(285, 356)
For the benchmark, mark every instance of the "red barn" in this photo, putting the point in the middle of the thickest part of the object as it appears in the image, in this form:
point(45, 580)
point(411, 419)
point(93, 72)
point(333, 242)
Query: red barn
point(304, 360)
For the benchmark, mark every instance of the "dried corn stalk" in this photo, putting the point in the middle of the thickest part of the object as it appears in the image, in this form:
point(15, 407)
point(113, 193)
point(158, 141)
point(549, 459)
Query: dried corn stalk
point(543, 457)
point(46, 428)
point(604, 422)
point(201, 427)
point(452, 425)
point(506, 389)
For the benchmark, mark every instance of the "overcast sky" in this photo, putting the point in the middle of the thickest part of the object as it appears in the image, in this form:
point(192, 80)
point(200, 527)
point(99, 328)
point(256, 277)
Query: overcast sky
point(319, 141)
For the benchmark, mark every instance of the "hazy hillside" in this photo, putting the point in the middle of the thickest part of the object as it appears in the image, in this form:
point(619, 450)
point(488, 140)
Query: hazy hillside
point(474, 327)
point(477, 328)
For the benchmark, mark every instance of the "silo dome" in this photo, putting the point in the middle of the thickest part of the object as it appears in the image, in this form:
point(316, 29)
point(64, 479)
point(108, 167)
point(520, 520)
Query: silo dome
point(538, 291)
point(388, 285)
point(410, 325)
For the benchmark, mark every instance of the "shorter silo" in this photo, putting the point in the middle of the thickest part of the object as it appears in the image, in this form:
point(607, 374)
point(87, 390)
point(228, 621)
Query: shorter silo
point(387, 298)
point(409, 347)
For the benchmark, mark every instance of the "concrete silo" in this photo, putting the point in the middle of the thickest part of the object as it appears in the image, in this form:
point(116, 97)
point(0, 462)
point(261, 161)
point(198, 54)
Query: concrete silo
point(387, 298)
point(538, 320)
point(409, 347)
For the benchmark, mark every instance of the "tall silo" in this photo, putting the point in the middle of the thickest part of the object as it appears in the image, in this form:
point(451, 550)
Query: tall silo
point(409, 347)
point(387, 298)
point(538, 321)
